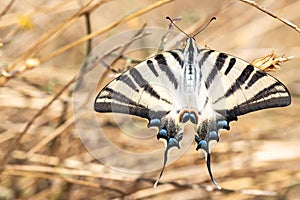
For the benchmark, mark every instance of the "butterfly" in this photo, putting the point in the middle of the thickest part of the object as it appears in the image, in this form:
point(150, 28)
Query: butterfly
point(199, 86)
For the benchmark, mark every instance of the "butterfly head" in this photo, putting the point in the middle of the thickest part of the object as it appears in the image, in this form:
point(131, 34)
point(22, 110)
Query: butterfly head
point(190, 45)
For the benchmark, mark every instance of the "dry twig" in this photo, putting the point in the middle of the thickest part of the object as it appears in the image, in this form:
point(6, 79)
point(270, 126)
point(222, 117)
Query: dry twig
point(69, 171)
point(55, 97)
point(18, 138)
point(265, 10)
point(6, 9)
point(105, 29)
point(40, 44)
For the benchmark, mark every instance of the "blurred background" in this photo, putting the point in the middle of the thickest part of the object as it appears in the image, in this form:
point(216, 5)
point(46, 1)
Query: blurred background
point(43, 45)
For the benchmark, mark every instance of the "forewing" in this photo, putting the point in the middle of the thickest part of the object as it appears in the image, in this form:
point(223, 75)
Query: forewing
point(236, 87)
point(148, 90)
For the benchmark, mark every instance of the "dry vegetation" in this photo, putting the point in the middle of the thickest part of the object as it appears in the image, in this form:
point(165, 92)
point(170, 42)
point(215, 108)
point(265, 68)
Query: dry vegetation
point(44, 43)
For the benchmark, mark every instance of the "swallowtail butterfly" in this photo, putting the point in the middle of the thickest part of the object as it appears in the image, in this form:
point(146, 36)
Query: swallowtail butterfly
point(204, 87)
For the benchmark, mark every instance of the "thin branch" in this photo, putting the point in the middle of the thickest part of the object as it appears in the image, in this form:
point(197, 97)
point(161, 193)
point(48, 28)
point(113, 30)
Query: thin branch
point(105, 29)
point(15, 143)
point(51, 136)
point(6, 9)
point(263, 9)
point(135, 37)
point(62, 178)
point(70, 171)
point(121, 48)
point(36, 47)
point(31, 52)
point(200, 186)
point(44, 40)
point(88, 31)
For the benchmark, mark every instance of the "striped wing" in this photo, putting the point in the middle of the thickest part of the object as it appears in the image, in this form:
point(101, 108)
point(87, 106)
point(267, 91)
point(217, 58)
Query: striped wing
point(205, 87)
point(148, 90)
point(244, 88)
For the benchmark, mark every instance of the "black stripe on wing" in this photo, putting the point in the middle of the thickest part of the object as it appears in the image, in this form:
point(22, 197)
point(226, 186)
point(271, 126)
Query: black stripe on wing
point(116, 102)
point(230, 65)
point(256, 103)
point(255, 77)
point(239, 82)
point(217, 67)
point(125, 79)
point(131, 110)
point(162, 63)
point(132, 93)
point(138, 78)
point(152, 68)
point(251, 89)
point(205, 56)
point(176, 57)
point(274, 95)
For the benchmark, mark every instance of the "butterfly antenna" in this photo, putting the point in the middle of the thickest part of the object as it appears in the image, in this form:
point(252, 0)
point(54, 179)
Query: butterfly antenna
point(177, 26)
point(209, 171)
point(165, 162)
point(213, 18)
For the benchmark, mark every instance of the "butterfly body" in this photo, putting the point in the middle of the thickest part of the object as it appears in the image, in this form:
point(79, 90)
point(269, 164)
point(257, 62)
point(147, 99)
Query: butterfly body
point(204, 87)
